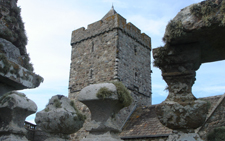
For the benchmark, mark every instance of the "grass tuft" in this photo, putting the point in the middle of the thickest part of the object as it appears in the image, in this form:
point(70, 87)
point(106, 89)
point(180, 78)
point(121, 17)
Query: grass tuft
point(123, 94)
point(57, 103)
point(103, 93)
point(79, 117)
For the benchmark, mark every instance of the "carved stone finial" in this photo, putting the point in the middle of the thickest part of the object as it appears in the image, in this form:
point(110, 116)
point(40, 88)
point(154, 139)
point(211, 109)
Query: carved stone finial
point(60, 118)
point(104, 103)
point(14, 108)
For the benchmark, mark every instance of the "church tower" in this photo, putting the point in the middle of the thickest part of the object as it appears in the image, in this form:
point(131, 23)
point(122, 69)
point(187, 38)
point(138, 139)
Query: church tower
point(111, 50)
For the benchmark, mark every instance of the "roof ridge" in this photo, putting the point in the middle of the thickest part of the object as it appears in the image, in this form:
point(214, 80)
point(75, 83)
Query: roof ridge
point(110, 13)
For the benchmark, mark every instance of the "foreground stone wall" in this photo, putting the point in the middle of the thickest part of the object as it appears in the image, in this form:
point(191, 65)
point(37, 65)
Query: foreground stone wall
point(148, 139)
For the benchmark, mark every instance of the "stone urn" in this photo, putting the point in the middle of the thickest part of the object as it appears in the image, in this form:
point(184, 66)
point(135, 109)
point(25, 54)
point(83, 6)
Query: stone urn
point(14, 108)
point(104, 103)
point(60, 118)
point(181, 111)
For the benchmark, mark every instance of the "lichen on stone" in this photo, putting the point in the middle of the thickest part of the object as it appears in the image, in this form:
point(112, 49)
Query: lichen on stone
point(6, 97)
point(12, 29)
point(160, 57)
point(210, 12)
point(5, 69)
point(80, 117)
point(174, 30)
point(57, 103)
point(217, 134)
point(47, 109)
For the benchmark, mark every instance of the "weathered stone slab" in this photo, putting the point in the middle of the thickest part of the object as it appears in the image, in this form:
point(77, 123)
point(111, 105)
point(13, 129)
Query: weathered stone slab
point(16, 77)
point(16, 71)
point(11, 51)
point(202, 24)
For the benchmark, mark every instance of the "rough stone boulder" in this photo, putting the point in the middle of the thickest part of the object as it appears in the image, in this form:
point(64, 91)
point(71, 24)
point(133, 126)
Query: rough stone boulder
point(193, 37)
point(16, 71)
point(60, 118)
point(199, 28)
point(14, 108)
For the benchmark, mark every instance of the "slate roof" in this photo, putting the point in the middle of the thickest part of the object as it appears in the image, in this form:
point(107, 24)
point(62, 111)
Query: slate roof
point(213, 101)
point(143, 122)
point(110, 13)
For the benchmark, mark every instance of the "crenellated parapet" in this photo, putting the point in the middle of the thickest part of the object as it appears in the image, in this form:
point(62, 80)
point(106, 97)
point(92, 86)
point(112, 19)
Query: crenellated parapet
point(113, 22)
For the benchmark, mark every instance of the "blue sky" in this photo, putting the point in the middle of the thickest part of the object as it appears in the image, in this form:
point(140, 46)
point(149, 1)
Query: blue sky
point(49, 24)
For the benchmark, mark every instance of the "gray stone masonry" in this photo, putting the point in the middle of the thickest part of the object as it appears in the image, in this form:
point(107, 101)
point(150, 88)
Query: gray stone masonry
point(111, 50)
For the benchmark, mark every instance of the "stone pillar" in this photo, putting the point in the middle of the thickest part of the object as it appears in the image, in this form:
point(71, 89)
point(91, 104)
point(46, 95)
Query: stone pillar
point(14, 108)
point(104, 103)
point(181, 111)
point(59, 119)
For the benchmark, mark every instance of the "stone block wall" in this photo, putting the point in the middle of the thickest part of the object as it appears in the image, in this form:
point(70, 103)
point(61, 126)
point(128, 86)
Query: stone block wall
point(134, 68)
point(108, 50)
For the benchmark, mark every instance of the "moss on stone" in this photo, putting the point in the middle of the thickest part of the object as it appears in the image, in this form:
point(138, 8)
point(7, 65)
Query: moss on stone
point(5, 69)
point(103, 93)
point(57, 103)
point(123, 94)
point(209, 12)
point(79, 117)
point(160, 59)
point(196, 10)
point(4, 98)
point(222, 8)
point(174, 29)
point(14, 27)
point(27, 64)
point(217, 134)
point(39, 79)
point(47, 109)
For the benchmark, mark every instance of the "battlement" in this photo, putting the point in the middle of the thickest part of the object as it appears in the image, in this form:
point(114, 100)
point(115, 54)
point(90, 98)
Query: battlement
point(114, 22)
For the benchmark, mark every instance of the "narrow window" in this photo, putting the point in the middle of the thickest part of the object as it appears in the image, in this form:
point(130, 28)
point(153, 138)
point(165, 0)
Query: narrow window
point(93, 47)
point(135, 50)
point(135, 76)
point(136, 88)
point(91, 73)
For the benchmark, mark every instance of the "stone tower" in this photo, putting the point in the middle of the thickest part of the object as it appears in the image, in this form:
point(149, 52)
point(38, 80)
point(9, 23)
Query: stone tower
point(108, 50)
